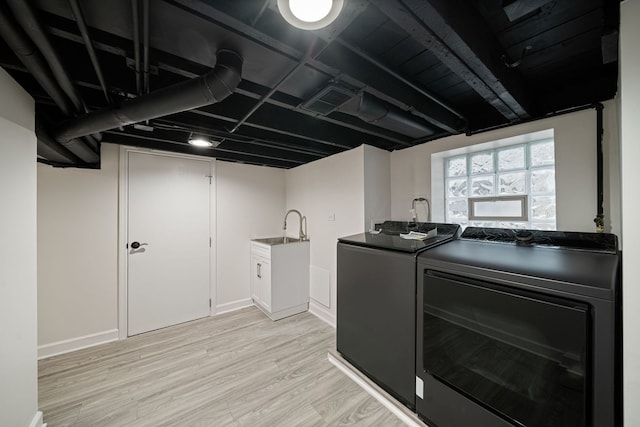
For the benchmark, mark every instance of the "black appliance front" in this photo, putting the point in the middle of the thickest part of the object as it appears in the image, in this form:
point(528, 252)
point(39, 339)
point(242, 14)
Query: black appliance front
point(506, 337)
point(376, 316)
point(376, 313)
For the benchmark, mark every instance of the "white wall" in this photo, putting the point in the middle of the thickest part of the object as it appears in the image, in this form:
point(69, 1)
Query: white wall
point(18, 284)
point(78, 247)
point(332, 187)
point(630, 153)
point(575, 145)
point(77, 254)
point(377, 185)
point(250, 204)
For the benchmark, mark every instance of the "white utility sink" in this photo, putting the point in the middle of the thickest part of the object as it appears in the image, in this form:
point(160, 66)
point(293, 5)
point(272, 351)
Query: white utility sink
point(280, 276)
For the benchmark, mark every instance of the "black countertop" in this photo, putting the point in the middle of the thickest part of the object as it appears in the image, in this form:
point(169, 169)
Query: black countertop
point(389, 237)
point(594, 242)
point(581, 263)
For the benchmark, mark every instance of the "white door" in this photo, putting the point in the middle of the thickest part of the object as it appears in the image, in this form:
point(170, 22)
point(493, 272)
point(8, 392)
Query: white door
point(168, 217)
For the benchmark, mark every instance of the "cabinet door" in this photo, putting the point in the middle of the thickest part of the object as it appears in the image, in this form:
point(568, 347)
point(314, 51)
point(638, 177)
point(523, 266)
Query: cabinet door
point(261, 281)
point(265, 283)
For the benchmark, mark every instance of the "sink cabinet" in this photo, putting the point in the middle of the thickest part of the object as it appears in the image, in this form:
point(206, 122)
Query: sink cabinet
point(261, 281)
point(280, 278)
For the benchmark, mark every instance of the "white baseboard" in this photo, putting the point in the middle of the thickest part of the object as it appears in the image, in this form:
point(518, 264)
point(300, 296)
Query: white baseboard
point(400, 411)
point(232, 306)
point(73, 344)
point(37, 420)
point(321, 312)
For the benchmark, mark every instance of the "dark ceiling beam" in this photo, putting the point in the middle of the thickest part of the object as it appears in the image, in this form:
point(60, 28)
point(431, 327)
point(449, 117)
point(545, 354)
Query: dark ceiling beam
point(274, 89)
point(184, 69)
point(210, 13)
point(519, 8)
point(273, 118)
point(463, 43)
point(150, 141)
point(342, 69)
point(263, 8)
point(238, 138)
point(378, 63)
point(199, 118)
point(350, 12)
point(380, 84)
point(266, 123)
point(279, 121)
point(293, 122)
point(255, 91)
point(106, 47)
point(84, 31)
point(227, 145)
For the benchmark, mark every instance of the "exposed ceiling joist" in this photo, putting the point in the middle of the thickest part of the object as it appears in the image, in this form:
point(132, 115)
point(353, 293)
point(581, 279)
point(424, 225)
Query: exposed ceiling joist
point(388, 73)
point(471, 51)
point(307, 149)
point(519, 8)
point(350, 11)
point(346, 17)
point(164, 142)
point(338, 62)
point(386, 87)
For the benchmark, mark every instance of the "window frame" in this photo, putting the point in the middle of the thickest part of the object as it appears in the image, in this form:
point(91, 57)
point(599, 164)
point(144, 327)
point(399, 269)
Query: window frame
point(466, 216)
point(524, 208)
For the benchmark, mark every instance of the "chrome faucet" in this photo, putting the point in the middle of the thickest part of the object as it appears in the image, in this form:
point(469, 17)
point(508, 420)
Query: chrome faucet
point(414, 214)
point(302, 235)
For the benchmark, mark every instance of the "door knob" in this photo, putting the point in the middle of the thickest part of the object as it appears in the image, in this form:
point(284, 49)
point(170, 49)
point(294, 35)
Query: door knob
point(136, 245)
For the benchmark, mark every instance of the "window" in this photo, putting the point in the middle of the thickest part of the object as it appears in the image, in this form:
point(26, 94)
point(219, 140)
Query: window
point(507, 187)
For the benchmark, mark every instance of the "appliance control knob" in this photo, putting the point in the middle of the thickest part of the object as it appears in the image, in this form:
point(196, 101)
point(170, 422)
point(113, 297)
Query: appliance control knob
point(524, 236)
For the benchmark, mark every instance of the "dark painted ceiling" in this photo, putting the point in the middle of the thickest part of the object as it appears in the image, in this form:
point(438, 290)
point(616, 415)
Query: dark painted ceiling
point(389, 73)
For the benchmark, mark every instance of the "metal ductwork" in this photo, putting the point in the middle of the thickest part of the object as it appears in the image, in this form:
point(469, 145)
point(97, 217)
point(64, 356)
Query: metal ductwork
point(52, 150)
point(26, 16)
point(208, 89)
point(379, 113)
point(29, 55)
point(368, 108)
point(79, 152)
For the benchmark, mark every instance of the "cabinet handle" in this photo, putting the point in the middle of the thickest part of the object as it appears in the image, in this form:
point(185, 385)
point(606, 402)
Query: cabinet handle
point(259, 270)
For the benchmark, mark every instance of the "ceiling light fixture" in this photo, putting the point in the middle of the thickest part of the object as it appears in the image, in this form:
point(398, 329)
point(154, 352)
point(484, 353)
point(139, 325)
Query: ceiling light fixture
point(310, 14)
point(200, 141)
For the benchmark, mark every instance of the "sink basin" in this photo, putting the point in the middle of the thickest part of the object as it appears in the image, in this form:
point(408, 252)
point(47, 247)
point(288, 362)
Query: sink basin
point(272, 241)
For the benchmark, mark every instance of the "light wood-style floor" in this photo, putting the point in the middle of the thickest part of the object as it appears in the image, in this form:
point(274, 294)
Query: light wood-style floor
point(237, 369)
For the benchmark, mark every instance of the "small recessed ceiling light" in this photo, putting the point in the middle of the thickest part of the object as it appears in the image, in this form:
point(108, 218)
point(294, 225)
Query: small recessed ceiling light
point(200, 141)
point(310, 14)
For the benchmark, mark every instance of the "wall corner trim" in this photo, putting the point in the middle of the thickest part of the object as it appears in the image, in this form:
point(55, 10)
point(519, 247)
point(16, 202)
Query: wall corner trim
point(73, 344)
point(37, 420)
point(233, 306)
point(322, 313)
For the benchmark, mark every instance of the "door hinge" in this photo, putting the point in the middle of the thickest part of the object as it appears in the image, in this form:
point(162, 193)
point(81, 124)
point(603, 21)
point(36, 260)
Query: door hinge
point(209, 302)
point(209, 241)
point(209, 176)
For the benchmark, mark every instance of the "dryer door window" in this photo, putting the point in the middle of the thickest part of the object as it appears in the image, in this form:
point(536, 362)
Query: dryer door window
point(521, 355)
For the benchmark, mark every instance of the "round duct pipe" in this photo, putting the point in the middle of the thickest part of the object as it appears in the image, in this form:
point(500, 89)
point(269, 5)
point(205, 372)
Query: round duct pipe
point(208, 89)
point(378, 113)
